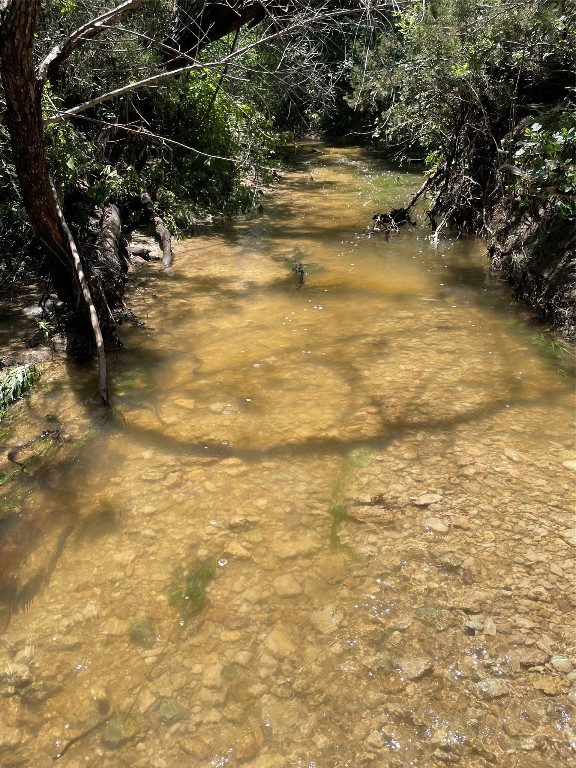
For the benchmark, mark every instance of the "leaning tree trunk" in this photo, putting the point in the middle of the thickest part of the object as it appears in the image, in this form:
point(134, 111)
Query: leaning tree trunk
point(24, 120)
point(23, 115)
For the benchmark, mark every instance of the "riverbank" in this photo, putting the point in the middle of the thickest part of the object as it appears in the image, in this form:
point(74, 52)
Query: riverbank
point(535, 250)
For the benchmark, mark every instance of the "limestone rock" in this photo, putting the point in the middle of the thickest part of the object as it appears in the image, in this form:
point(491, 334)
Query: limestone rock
point(119, 730)
point(562, 664)
point(279, 644)
point(425, 499)
point(171, 711)
point(436, 525)
point(491, 688)
point(287, 586)
point(417, 667)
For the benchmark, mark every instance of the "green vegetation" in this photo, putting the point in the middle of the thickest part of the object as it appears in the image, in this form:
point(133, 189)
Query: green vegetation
point(468, 86)
point(546, 154)
point(483, 93)
point(15, 382)
point(338, 510)
point(187, 592)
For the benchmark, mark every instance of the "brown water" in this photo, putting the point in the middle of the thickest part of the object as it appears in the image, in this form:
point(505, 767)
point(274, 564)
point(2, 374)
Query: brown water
point(379, 466)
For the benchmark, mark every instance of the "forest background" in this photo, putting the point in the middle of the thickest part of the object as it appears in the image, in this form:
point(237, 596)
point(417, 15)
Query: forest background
point(193, 104)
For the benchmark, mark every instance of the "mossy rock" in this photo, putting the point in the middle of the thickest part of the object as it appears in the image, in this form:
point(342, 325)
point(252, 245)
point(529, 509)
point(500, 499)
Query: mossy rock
point(120, 729)
point(142, 632)
point(171, 711)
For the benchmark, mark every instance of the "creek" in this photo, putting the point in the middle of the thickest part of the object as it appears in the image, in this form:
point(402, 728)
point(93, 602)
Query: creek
point(330, 522)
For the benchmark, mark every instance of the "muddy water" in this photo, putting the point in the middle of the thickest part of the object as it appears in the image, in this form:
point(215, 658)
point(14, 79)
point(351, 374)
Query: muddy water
point(329, 524)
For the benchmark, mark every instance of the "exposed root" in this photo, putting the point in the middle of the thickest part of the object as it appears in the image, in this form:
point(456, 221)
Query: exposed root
point(162, 232)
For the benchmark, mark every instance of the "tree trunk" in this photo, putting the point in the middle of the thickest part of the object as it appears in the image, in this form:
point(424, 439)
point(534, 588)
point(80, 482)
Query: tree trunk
point(24, 120)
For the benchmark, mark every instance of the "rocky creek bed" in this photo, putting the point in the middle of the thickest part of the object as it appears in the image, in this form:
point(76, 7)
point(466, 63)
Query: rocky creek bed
point(377, 469)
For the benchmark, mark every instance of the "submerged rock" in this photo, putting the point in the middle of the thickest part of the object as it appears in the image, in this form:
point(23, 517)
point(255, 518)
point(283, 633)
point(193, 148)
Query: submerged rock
point(119, 730)
point(492, 688)
point(436, 525)
point(287, 586)
point(13, 674)
point(562, 664)
point(171, 711)
point(142, 632)
point(425, 499)
point(416, 668)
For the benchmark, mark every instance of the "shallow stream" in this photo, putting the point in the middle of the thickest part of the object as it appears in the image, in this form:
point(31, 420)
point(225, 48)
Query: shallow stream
point(330, 522)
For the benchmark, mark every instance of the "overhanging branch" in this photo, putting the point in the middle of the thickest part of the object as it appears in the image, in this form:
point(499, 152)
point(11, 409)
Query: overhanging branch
point(48, 68)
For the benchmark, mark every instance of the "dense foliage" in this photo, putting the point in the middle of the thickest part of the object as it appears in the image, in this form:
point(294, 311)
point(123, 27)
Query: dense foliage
point(204, 141)
point(469, 86)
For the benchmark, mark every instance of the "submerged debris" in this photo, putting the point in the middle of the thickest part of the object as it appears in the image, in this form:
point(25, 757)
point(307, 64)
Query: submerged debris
point(390, 222)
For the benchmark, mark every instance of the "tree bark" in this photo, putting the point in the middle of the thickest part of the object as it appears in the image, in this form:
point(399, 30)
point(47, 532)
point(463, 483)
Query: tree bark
point(162, 233)
point(23, 117)
point(110, 265)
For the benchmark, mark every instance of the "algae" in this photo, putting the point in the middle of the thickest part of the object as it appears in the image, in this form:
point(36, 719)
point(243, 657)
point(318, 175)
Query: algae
point(187, 592)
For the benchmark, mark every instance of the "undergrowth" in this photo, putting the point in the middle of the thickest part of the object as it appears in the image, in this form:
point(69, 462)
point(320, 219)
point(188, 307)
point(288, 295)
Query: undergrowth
point(15, 382)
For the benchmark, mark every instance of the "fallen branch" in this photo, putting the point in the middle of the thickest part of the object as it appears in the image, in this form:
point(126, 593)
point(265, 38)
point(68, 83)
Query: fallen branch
point(95, 323)
point(398, 216)
point(162, 232)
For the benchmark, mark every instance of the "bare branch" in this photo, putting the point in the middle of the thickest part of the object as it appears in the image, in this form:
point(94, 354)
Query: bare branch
point(51, 63)
point(305, 21)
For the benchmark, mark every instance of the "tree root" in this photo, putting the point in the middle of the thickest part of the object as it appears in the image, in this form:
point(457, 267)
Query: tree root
point(162, 232)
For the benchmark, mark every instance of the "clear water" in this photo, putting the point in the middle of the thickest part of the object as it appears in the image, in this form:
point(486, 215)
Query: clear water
point(376, 464)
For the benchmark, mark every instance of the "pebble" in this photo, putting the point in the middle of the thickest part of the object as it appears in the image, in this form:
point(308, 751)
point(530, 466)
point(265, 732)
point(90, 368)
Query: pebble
point(550, 684)
point(533, 658)
point(279, 644)
point(375, 740)
point(417, 667)
point(120, 729)
point(436, 525)
point(489, 627)
point(570, 465)
point(327, 619)
point(562, 664)
point(473, 602)
point(171, 711)
point(491, 688)
point(425, 499)
point(287, 586)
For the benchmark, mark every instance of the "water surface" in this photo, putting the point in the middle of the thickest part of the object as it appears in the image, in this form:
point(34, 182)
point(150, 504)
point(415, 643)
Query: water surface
point(374, 463)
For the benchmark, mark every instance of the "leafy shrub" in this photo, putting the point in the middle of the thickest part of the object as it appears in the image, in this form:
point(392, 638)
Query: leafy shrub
point(15, 382)
point(547, 155)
